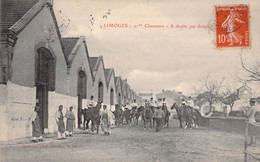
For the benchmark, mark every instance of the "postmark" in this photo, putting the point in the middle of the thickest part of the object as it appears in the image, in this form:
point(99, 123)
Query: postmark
point(232, 26)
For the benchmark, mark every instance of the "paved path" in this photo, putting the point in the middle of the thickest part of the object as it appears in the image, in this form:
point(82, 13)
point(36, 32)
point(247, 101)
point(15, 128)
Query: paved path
point(131, 143)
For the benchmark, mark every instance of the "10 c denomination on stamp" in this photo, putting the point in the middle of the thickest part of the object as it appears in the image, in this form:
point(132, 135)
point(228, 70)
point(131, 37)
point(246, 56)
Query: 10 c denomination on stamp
point(232, 26)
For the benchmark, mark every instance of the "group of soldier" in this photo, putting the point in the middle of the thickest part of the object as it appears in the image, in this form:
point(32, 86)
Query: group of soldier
point(152, 110)
point(59, 117)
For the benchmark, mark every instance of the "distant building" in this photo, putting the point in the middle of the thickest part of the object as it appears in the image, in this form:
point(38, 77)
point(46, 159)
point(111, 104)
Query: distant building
point(171, 97)
point(244, 94)
point(145, 96)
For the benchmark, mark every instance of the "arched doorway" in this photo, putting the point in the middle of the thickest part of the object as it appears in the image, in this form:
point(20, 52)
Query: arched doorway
point(124, 100)
point(82, 83)
point(100, 91)
point(112, 96)
point(45, 82)
point(119, 98)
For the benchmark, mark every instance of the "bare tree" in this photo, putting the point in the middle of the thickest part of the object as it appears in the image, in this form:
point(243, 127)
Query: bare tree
point(252, 71)
point(212, 90)
point(229, 96)
point(200, 98)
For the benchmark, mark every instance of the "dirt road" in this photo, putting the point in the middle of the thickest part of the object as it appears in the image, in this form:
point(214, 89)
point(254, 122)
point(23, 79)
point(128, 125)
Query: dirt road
point(131, 143)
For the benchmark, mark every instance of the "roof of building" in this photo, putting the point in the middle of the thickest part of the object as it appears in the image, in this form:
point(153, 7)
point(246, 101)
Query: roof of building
point(16, 14)
point(13, 11)
point(69, 44)
point(93, 62)
point(108, 75)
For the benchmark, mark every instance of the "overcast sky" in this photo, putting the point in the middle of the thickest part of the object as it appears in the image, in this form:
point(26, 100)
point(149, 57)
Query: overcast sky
point(156, 59)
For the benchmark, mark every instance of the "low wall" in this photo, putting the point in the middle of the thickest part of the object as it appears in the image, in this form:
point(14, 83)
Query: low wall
point(230, 124)
point(16, 108)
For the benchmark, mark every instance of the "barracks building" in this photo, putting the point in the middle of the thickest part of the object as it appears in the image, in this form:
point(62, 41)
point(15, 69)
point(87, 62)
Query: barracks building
point(40, 67)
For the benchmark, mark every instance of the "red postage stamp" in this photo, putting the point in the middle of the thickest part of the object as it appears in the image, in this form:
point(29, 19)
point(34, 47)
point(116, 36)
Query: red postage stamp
point(232, 26)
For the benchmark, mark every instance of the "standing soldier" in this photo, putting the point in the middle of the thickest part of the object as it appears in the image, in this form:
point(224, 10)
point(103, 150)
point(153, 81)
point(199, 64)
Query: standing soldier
point(159, 115)
point(252, 110)
point(105, 121)
point(70, 124)
point(60, 123)
point(36, 128)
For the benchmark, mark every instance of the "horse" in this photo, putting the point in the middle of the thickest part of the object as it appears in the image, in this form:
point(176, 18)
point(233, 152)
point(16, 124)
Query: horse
point(148, 116)
point(167, 116)
point(93, 116)
point(184, 115)
point(139, 113)
point(196, 116)
point(153, 110)
point(133, 113)
point(127, 115)
point(118, 115)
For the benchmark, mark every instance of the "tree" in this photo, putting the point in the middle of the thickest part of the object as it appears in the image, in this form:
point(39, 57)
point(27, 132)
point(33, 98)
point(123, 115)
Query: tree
point(229, 96)
point(252, 71)
point(212, 90)
point(200, 98)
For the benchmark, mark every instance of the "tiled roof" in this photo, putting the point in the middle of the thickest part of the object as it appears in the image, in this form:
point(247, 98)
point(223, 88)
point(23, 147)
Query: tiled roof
point(93, 62)
point(13, 10)
point(69, 44)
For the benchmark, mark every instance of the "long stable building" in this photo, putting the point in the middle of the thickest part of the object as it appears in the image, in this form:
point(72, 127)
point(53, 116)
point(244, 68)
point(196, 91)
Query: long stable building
point(39, 67)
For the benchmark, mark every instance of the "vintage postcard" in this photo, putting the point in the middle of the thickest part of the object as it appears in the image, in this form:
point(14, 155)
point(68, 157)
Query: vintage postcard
point(139, 80)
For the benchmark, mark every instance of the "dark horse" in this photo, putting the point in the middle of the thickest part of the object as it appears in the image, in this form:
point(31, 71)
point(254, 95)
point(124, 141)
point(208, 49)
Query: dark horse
point(167, 116)
point(139, 113)
point(127, 116)
point(184, 114)
point(187, 114)
point(118, 115)
point(148, 116)
point(196, 116)
point(133, 113)
point(93, 116)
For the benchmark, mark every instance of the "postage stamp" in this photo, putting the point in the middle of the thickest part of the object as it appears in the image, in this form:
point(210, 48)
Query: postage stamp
point(232, 26)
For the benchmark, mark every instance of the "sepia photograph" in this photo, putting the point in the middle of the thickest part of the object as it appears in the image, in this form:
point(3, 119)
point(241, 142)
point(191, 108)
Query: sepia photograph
point(132, 81)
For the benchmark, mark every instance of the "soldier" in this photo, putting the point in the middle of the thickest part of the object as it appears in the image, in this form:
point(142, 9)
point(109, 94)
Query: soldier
point(183, 103)
point(134, 104)
point(151, 104)
point(91, 103)
point(37, 130)
point(190, 102)
point(164, 103)
point(252, 110)
point(159, 115)
point(60, 123)
point(70, 123)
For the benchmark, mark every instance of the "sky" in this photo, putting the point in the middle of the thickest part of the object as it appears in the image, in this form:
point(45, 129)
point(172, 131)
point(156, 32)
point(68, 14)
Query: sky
point(153, 59)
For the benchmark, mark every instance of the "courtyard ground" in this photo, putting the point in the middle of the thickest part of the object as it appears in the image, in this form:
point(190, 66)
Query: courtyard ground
point(132, 143)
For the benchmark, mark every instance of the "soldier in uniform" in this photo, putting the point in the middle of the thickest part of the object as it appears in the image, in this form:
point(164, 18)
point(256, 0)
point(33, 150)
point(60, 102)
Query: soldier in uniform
point(252, 110)
point(60, 123)
point(91, 103)
point(164, 103)
point(36, 128)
